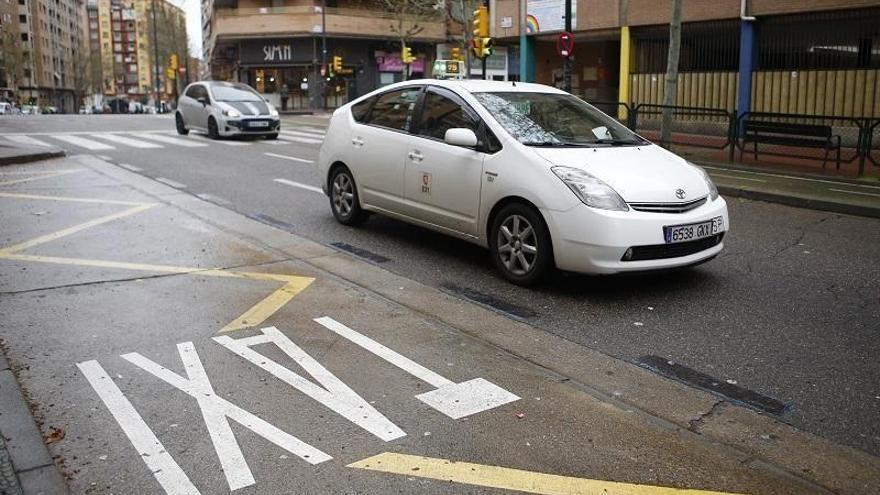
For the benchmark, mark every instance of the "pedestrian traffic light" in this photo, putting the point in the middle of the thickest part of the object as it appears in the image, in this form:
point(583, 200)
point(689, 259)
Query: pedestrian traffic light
point(482, 47)
point(337, 64)
point(456, 53)
point(406, 55)
point(481, 22)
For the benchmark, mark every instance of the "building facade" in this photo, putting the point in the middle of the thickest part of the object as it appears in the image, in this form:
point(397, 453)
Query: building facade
point(819, 57)
point(125, 47)
point(284, 47)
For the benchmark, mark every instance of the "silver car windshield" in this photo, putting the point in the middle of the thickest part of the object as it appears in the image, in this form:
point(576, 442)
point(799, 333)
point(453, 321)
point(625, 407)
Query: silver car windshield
point(231, 93)
point(552, 119)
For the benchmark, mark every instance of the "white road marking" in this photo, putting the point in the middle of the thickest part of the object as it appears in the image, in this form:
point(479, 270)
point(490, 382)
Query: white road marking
point(167, 472)
point(134, 143)
point(77, 132)
point(28, 141)
point(231, 143)
point(188, 143)
point(314, 130)
point(298, 139)
point(455, 400)
point(130, 167)
point(300, 185)
point(855, 192)
point(83, 142)
point(169, 182)
point(737, 177)
point(303, 134)
point(335, 394)
point(217, 411)
point(291, 158)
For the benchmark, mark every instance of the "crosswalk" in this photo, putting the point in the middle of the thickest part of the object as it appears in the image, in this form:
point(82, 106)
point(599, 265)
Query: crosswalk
point(148, 140)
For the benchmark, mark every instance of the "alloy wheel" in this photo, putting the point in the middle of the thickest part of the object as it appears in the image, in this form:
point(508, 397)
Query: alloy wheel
point(343, 194)
point(517, 244)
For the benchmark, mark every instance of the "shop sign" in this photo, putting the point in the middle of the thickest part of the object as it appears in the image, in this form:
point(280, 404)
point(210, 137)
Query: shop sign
point(277, 53)
point(391, 62)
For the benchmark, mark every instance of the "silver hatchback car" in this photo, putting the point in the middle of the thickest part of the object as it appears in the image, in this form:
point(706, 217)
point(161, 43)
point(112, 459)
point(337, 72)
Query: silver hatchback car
point(222, 109)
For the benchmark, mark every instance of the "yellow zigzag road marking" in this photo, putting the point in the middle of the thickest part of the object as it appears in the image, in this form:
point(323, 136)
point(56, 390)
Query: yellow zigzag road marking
point(256, 315)
point(509, 479)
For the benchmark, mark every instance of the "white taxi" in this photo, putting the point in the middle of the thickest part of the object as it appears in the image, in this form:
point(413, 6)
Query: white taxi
point(537, 175)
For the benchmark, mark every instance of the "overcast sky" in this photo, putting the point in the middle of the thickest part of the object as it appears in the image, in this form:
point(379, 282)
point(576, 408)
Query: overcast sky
point(193, 9)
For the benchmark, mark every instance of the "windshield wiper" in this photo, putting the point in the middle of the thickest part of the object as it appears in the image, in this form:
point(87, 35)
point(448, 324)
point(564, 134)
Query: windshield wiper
point(553, 144)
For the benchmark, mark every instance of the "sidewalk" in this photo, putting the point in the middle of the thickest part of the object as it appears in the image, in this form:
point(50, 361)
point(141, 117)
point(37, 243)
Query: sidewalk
point(15, 154)
point(140, 319)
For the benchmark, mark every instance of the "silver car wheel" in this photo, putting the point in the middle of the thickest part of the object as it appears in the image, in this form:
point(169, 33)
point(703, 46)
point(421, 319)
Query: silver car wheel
point(517, 244)
point(343, 194)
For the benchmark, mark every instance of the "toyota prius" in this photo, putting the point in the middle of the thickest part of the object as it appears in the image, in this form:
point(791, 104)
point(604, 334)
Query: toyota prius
point(538, 176)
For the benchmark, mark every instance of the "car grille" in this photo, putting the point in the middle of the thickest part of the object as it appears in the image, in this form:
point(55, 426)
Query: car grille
point(668, 207)
point(664, 251)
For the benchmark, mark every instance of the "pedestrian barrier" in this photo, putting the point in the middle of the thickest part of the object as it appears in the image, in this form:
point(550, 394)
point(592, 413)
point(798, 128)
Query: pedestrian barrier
point(691, 126)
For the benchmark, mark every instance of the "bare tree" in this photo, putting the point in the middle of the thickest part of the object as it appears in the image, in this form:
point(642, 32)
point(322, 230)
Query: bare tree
point(408, 16)
point(462, 13)
point(11, 56)
point(671, 86)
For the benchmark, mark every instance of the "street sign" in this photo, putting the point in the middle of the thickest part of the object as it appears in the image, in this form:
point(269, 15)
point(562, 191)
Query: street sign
point(565, 44)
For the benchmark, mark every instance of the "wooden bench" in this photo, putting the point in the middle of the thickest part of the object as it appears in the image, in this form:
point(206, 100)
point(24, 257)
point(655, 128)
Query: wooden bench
point(786, 134)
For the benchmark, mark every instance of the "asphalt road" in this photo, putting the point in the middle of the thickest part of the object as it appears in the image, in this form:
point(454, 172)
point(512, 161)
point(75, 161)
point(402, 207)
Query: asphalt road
point(789, 309)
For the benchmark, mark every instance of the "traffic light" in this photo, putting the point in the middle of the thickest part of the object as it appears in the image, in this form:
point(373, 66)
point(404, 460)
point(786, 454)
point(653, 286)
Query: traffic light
point(173, 63)
point(481, 22)
point(406, 55)
point(337, 64)
point(456, 53)
point(482, 47)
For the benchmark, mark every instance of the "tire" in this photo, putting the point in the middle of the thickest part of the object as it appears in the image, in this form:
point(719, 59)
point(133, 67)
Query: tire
point(272, 136)
point(344, 201)
point(520, 244)
point(181, 127)
point(213, 132)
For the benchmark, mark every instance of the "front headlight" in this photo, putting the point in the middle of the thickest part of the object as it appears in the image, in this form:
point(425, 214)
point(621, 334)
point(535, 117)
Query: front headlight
point(713, 191)
point(231, 112)
point(273, 112)
point(592, 191)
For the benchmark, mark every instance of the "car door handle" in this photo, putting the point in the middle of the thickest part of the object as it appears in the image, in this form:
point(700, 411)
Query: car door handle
point(415, 156)
point(358, 142)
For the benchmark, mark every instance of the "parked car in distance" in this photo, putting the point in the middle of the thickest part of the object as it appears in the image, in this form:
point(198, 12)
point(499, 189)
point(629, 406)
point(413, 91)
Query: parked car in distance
point(6, 108)
point(29, 110)
point(535, 174)
point(223, 109)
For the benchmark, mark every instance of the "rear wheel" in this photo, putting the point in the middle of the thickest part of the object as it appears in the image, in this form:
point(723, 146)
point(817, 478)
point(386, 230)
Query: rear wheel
point(520, 244)
point(181, 127)
point(344, 198)
point(213, 132)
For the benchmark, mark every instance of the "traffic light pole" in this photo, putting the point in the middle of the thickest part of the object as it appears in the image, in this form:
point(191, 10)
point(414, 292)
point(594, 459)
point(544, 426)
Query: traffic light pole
point(566, 63)
point(323, 86)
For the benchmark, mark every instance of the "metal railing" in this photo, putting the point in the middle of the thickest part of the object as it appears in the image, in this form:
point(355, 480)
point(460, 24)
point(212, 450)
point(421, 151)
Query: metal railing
point(720, 129)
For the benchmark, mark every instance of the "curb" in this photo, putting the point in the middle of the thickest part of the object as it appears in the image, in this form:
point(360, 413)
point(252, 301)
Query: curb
point(801, 202)
point(31, 157)
point(28, 455)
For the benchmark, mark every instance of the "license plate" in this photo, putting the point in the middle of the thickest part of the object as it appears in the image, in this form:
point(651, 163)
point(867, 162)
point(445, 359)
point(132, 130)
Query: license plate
point(693, 231)
point(259, 124)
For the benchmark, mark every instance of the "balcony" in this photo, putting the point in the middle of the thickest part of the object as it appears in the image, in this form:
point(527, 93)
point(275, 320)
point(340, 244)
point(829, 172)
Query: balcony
point(303, 21)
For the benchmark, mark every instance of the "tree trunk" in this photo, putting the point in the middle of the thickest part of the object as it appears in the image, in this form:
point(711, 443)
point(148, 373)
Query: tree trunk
point(671, 73)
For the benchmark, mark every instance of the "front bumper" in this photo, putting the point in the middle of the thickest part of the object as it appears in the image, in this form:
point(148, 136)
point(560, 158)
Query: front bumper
point(589, 240)
point(244, 126)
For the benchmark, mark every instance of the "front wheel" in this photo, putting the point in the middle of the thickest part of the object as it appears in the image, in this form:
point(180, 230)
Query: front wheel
point(213, 132)
point(520, 244)
point(344, 198)
point(181, 127)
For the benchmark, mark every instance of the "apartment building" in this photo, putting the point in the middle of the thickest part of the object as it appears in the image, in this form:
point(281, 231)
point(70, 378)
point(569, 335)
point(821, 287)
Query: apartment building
point(818, 57)
point(279, 46)
point(122, 40)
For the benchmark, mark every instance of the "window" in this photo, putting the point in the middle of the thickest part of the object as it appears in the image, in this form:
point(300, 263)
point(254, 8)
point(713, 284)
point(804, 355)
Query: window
point(359, 110)
point(394, 109)
point(441, 113)
point(24, 36)
point(22, 18)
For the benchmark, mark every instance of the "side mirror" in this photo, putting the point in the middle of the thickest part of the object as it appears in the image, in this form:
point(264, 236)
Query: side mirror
point(461, 137)
point(202, 100)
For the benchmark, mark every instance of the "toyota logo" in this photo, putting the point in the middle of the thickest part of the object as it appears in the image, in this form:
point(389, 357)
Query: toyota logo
point(680, 194)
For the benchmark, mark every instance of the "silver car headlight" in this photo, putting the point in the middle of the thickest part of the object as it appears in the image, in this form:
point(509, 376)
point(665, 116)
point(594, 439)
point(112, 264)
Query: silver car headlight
point(713, 191)
point(273, 112)
point(231, 112)
point(592, 191)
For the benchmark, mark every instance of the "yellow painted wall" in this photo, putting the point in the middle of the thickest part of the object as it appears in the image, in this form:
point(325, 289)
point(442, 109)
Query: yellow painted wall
point(840, 93)
point(695, 89)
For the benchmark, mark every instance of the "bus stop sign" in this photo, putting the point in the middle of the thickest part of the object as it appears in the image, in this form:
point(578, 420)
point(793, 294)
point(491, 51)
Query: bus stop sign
point(565, 44)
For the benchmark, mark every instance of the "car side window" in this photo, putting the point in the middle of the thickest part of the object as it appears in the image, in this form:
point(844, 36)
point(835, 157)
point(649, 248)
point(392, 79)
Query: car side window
point(394, 109)
point(359, 110)
point(193, 92)
point(440, 113)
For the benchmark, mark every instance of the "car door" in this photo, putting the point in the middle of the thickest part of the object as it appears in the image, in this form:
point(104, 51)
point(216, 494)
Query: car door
point(378, 147)
point(442, 181)
point(201, 111)
point(187, 104)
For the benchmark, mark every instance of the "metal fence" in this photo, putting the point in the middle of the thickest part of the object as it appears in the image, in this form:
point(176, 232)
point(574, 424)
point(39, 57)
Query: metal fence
point(799, 136)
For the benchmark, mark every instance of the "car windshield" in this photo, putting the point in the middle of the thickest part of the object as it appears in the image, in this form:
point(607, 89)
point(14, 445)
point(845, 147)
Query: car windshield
point(231, 93)
point(553, 119)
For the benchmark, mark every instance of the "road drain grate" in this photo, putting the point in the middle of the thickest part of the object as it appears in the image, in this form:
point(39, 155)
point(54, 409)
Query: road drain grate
point(694, 378)
point(279, 224)
point(519, 312)
point(360, 252)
